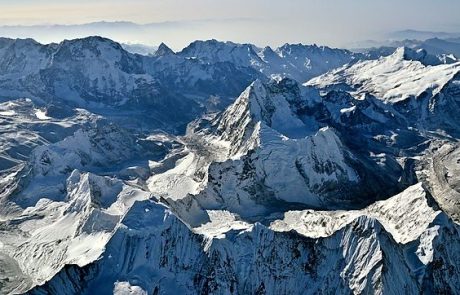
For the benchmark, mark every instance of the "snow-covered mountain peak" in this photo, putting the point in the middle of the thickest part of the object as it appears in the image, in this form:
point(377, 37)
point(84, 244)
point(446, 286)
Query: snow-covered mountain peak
point(99, 191)
point(94, 45)
point(405, 216)
point(213, 51)
point(302, 62)
point(267, 123)
point(429, 52)
point(272, 103)
point(392, 79)
point(269, 55)
point(21, 57)
point(291, 49)
point(401, 53)
point(99, 145)
point(298, 61)
point(18, 44)
point(419, 54)
point(77, 227)
point(96, 52)
point(275, 105)
point(163, 50)
point(213, 46)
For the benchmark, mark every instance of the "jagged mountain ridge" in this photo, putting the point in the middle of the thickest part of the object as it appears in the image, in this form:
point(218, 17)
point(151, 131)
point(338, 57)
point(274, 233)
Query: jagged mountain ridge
point(164, 91)
point(432, 51)
point(302, 265)
point(295, 61)
point(424, 103)
point(281, 150)
point(93, 73)
point(97, 73)
point(209, 212)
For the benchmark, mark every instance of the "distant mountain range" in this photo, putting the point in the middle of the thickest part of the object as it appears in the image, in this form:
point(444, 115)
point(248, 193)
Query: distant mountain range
point(421, 35)
point(153, 33)
point(141, 49)
point(391, 38)
point(121, 31)
point(99, 74)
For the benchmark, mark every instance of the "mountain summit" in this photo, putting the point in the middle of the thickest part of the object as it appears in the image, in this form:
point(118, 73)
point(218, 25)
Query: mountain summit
point(163, 50)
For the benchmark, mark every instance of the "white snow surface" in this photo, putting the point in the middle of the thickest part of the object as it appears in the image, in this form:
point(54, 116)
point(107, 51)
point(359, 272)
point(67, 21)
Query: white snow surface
point(405, 216)
point(392, 79)
point(285, 149)
point(41, 115)
point(7, 113)
point(74, 230)
point(125, 288)
point(220, 223)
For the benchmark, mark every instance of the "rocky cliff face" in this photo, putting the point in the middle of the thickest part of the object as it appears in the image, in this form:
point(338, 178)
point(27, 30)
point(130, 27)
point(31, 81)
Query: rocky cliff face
point(157, 253)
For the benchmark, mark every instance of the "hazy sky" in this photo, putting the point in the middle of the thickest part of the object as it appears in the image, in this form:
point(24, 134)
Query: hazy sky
point(330, 22)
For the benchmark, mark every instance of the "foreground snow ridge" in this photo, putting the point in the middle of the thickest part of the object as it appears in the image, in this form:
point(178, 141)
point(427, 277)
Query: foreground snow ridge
point(153, 250)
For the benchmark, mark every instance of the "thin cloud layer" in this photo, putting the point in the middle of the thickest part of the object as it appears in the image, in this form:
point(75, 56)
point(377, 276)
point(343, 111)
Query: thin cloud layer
point(178, 22)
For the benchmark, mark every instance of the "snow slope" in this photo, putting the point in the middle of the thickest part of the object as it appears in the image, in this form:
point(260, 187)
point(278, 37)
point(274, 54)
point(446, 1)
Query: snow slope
point(159, 254)
point(392, 79)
